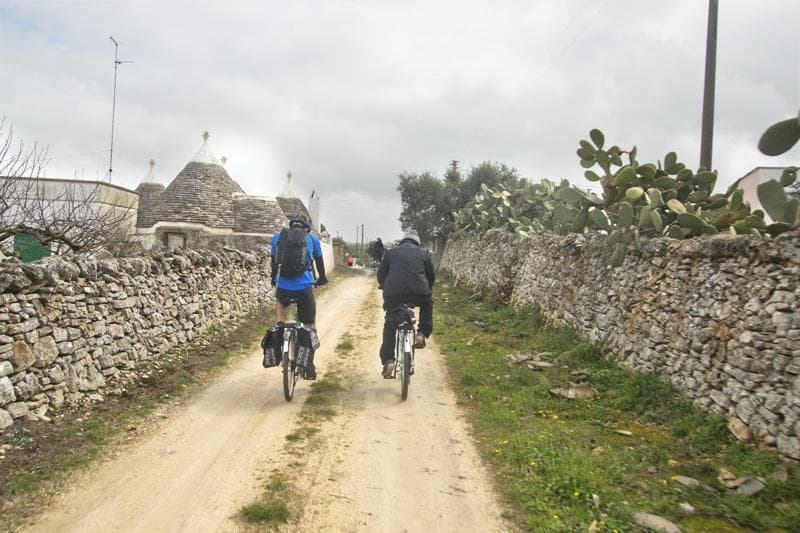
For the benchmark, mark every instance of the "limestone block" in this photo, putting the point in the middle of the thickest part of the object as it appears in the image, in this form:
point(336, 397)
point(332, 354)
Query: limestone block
point(17, 409)
point(126, 303)
point(56, 397)
point(73, 377)
point(65, 348)
point(789, 445)
point(739, 429)
point(5, 368)
point(5, 419)
point(45, 351)
point(22, 327)
point(60, 334)
point(22, 356)
point(7, 394)
point(55, 374)
point(26, 387)
point(719, 398)
point(31, 337)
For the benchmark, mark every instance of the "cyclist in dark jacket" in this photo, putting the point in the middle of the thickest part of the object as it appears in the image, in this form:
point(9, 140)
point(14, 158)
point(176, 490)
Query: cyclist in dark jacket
point(406, 276)
point(379, 250)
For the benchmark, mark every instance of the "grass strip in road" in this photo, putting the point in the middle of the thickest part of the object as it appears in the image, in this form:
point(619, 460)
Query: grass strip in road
point(572, 465)
point(326, 396)
point(281, 499)
point(41, 452)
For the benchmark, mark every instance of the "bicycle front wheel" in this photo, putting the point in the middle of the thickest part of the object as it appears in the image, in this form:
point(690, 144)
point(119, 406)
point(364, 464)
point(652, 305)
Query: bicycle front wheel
point(290, 373)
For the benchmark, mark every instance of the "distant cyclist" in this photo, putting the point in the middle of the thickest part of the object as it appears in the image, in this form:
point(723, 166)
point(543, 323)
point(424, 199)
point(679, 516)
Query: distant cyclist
point(406, 276)
point(379, 250)
point(292, 251)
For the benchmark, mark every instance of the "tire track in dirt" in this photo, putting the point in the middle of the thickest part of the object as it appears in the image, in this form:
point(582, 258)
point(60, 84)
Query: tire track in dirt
point(389, 465)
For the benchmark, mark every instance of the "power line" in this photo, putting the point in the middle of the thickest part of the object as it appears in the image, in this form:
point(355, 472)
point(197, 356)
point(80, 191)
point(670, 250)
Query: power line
point(360, 199)
point(77, 155)
point(577, 36)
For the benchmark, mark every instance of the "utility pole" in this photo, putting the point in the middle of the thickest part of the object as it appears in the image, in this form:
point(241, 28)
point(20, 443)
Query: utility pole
point(117, 62)
point(707, 131)
point(362, 238)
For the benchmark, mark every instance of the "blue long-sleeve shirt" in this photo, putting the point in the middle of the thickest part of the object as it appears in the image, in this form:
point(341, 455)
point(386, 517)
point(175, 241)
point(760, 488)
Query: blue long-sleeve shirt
point(306, 279)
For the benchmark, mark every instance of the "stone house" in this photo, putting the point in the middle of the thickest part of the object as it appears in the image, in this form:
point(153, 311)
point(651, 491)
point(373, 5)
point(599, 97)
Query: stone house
point(204, 208)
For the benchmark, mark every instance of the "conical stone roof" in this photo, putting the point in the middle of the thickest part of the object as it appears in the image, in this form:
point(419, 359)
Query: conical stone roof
point(149, 191)
point(201, 193)
point(290, 204)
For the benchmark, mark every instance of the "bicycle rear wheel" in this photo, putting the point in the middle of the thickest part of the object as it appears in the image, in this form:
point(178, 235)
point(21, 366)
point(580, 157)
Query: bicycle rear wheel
point(405, 367)
point(290, 373)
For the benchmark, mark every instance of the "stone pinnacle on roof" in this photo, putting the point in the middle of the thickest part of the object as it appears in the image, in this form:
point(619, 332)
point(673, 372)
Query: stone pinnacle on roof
point(151, 175)
point(204, 154)
point(288, 192)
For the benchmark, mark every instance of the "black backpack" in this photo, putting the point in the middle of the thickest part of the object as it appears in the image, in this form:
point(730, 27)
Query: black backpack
point(292, 253)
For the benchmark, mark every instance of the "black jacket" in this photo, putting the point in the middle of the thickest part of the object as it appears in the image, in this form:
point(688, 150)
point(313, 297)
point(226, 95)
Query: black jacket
point(406, 270)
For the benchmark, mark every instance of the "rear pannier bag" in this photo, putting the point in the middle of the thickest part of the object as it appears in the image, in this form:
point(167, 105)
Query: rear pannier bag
point(272, 343)
point(307, 344)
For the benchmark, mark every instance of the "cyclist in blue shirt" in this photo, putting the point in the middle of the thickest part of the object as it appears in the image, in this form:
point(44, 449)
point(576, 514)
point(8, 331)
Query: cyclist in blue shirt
point(299, 287)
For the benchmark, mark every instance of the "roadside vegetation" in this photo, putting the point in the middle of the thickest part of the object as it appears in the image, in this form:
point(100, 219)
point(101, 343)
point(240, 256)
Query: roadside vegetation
point(637, 445)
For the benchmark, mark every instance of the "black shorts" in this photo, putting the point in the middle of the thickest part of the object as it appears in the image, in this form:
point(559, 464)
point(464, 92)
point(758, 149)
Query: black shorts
point(306, 305)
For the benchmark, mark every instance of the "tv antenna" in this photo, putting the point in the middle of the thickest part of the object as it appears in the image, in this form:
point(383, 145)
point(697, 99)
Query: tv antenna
point(117, 62)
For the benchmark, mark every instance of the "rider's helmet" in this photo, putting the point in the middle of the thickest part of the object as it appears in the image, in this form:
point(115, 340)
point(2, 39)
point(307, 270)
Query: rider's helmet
point(301, 221)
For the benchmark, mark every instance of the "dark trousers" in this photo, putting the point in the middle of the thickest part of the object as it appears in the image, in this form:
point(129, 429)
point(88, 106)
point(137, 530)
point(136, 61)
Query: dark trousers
point(425, 304)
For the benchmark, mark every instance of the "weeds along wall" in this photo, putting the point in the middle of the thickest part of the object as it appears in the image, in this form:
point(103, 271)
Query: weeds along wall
point(717, 316)
point(71, 328)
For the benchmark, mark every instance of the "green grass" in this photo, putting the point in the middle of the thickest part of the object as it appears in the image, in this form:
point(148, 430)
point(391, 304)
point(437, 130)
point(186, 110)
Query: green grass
point(272, 512)
point(345, 344)
point(541, 446)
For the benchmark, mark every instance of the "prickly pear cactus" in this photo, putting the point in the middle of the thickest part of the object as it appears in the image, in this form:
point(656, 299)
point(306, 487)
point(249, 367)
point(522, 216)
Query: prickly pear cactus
point(638, 202)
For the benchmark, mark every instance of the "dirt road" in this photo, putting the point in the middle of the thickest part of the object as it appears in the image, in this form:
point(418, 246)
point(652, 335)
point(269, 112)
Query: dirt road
point(386, 465)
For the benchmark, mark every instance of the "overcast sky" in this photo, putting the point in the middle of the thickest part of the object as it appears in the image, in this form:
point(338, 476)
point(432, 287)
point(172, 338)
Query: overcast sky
point(347, 94)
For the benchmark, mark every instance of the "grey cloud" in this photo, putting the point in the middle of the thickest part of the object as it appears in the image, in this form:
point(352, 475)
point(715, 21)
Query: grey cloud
point(348, 94)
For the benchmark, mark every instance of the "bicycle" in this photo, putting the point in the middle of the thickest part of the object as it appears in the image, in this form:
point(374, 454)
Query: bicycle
point(404, 349)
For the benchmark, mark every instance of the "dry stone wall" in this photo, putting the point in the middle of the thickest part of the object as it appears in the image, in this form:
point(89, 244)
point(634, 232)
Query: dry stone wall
point(717, 316)
point(70, 328)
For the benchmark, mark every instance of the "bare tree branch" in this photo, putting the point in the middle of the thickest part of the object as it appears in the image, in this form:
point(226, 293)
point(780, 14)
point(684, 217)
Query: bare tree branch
point(67, 216)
